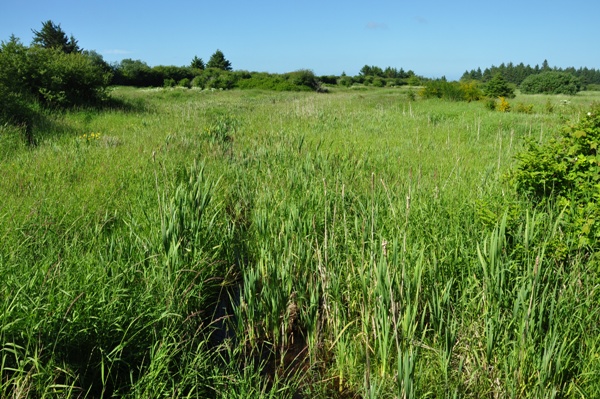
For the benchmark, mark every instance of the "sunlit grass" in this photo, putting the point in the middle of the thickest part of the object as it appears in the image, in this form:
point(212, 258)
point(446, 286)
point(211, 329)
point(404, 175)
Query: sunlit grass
point(257, 244)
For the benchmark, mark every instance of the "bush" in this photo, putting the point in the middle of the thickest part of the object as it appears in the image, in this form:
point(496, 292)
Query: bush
point(566, 169)
point(503, 106)
point(136, 73)
point(212, 78)
point(303, 78)
point(551, 82)
point(16, 97)
point(471, 91)
point(185, 82)
point(33, 77)
point(490, 104)
point(378, 82)
point(345, 81)
point(524, 108)
point(498, 87)
point(593, 87)
point(453, 91)
point(65, 80)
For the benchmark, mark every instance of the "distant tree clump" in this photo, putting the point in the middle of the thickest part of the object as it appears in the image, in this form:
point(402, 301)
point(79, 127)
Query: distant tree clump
point(551, 82)
point(517, 73)
point(218, 61)
point(498, 87)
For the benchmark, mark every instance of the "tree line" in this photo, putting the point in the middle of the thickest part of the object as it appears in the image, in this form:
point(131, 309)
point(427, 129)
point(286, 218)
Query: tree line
point(516, 74)
point(55, 72)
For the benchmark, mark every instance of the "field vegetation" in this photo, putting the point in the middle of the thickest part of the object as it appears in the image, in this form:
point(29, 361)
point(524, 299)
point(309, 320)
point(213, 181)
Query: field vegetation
point(270, 240)
point(360, 243)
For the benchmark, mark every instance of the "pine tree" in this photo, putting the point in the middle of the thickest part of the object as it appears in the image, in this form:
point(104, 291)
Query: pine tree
point(197, 63)
point(52, 36)
point(218, 61)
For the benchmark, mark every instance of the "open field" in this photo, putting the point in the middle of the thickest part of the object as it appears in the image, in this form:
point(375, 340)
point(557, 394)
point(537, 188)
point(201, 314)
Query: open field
point(239, 244)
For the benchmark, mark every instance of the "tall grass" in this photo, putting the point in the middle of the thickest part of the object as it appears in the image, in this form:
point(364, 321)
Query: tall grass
point(248, 244)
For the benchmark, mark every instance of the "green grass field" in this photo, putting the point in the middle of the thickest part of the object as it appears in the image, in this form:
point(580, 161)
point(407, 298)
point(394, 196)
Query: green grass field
point(239, 244)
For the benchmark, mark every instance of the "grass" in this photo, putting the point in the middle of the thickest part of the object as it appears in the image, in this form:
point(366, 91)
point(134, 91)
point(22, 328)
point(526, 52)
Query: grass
point(258, 244)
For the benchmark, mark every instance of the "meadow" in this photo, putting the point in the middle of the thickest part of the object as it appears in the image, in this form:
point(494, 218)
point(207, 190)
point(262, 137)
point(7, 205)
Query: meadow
point(363, 243)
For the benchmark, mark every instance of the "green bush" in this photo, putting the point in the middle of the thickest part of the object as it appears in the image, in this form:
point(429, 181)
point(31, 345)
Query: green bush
point(551, 82)
point(490, 104)
point(53, 77)
point(185, 82)
point(471, 91)
point(567, 169)
point(524, 108)
point(345, 81)
point(498, 87)
point(378, 82)
point(66, 80)
point(302, 80)
point(17, 102)
point(136, 73)
point(593, 87)
point(453, 91)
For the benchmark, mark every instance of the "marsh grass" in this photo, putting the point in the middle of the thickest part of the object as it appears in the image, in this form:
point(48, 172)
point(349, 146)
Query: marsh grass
point(250, 244)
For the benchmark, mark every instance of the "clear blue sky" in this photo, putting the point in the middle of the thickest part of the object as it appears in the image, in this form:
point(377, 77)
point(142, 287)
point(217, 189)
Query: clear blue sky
point(431, 37)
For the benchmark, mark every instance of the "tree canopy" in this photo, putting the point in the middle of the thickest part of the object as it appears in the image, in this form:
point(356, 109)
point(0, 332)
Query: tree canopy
point(218, 61)
point(52, 36)
point(197, 63)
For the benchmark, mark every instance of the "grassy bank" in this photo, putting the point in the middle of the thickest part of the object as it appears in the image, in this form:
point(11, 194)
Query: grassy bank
point(257, 244)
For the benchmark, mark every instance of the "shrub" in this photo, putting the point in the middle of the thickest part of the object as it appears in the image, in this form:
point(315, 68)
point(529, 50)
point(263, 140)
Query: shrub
point(185, 82)
point(566, 169)
point(471, 91)
point(524, 108)
point(442, 89)
point(551, 82)
point(498, 87)
point(413, 81)
point(455, 91)
point(378, 82)
point(66, 80)
point(345, 81)
point(490, 104)
point(15, 96)
point(136, 73)
point(503, 106)
point(304, 77)
point(31, 77)
point(593, 87)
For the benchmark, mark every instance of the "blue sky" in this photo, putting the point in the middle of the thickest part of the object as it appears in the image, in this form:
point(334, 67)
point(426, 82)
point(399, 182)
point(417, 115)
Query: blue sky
point(433, 38)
